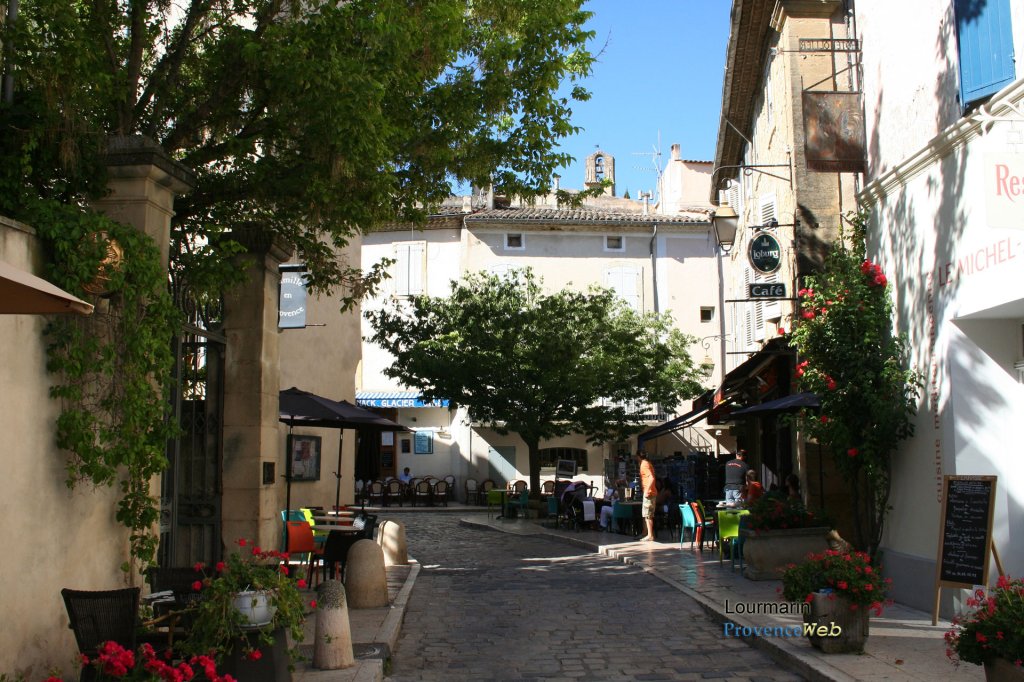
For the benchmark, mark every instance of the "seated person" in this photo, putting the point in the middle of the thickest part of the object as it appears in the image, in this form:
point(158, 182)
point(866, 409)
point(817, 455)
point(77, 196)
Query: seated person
point(752, 490)
point(793, 486)
point(405, 476)
point(610, 495)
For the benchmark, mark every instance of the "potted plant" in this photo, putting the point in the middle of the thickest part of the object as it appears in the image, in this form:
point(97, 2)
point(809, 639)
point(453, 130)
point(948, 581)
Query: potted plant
point(114, 662)
point(246, 607)
point(841, 589)
point(993, 634)
point(779, 531)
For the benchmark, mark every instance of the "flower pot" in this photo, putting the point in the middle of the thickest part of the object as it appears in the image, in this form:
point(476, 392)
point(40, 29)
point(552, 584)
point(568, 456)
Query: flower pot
point(767, 552)
point(835, 628)
point(1002, 670)
point(255, 607)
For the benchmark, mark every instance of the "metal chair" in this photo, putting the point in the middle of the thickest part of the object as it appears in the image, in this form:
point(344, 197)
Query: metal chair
point(450, 480)
point(394, 491)
point(517, 487)
point(472, 491)
point(440, 491)
point(547, 488)
point(375, 492)
point(423, 492)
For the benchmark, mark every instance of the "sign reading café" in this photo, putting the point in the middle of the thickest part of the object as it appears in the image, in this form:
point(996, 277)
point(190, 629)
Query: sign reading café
point(765, 253)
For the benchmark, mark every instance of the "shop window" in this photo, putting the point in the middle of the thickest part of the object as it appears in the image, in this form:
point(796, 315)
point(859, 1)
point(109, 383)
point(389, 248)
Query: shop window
point(549, 457)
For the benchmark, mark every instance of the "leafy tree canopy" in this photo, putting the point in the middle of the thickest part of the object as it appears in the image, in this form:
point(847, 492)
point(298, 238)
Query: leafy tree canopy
point(537, 364)
point(309, 121)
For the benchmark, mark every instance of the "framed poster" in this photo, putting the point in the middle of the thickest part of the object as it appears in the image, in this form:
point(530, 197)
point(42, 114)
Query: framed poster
point(423, 443)
point(304, 452)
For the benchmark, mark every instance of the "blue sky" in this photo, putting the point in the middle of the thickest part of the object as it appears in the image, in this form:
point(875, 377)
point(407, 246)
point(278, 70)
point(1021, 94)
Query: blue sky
point(661, 69)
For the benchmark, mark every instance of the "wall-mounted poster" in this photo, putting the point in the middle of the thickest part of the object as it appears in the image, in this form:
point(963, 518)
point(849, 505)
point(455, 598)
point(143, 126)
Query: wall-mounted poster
point(423, 443)
point(305, 457)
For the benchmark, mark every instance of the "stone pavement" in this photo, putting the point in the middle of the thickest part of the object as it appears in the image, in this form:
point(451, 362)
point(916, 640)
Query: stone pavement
point(902, 646)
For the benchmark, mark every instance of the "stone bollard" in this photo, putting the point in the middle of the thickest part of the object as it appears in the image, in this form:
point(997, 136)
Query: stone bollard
point(366, 581)
point(332, 649)
point(391, 538)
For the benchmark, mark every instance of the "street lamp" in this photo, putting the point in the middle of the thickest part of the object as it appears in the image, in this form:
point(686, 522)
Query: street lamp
point(726, 223)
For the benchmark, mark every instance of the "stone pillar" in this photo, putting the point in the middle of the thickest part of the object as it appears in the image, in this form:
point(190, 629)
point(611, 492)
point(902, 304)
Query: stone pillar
point(391, 538)
point(251, 509)
point(143, 182)
point(332, 649)
point(366, 580)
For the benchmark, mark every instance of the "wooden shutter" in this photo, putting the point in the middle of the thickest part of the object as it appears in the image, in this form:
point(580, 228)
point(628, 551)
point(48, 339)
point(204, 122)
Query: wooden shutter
point(985, 40)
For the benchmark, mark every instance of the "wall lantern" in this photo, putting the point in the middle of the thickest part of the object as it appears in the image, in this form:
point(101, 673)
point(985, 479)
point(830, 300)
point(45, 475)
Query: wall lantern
point(725, 222)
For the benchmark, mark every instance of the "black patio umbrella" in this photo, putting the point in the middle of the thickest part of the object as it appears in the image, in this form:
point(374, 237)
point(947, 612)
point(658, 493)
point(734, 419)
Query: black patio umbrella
point(302, 408)
point(789, 403)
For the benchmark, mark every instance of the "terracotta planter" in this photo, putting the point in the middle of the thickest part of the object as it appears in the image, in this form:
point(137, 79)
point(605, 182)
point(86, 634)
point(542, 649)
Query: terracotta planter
point(835, 629)
point(1002, 670)
point(767, 552)
point(255, 607)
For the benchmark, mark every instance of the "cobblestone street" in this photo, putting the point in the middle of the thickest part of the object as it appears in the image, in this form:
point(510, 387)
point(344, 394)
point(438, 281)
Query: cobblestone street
point(493, 606)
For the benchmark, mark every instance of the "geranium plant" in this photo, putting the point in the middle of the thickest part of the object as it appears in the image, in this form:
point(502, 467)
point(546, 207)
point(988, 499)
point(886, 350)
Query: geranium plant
point(994, 629)
point(773, 512)
point(849, 575)
point(851, 359)
point(219, 624)
point(113, 662)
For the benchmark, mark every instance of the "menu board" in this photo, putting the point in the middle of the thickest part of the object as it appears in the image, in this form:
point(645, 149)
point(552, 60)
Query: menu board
point(966, 534)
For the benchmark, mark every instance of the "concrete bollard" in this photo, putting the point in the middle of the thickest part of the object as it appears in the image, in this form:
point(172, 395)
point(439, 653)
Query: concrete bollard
point(332, 649)
point(391, 538)
point(366, 581)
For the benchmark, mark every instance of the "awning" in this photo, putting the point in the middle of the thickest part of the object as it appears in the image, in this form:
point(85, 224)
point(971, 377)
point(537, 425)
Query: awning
point(396, 399)
point(789, 403)
point(682, 422)
point(22, 293)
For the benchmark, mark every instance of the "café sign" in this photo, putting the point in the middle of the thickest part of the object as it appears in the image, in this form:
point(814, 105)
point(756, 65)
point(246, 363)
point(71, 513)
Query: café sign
point(765, 253)
point(767, 290)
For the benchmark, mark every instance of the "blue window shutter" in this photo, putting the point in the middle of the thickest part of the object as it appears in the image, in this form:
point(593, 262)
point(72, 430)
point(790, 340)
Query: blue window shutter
point(986, 47)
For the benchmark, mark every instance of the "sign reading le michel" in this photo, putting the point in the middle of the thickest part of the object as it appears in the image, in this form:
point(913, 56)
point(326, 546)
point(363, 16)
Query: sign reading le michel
point(765, 253)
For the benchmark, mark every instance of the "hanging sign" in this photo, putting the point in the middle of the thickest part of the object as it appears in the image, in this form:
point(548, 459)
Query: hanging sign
point(292, 303)
point(765, 253)
point(766, 290)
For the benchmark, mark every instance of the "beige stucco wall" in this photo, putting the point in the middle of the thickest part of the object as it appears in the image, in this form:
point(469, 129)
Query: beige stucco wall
point(322, 360)
point(56, 537)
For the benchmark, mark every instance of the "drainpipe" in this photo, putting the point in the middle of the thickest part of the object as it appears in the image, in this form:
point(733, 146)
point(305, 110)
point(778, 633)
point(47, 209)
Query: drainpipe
point(654, 263)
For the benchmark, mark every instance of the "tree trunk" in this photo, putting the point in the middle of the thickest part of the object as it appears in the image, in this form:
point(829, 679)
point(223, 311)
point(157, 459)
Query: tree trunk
point(533, 447)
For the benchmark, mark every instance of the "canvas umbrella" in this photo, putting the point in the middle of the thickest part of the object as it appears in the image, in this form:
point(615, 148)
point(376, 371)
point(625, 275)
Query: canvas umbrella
point(302, 408)
point(24, 293)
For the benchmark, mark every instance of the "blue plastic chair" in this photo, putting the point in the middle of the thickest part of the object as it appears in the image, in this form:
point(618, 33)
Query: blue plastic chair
point(689, 523)
point(622, 513)
point(520, 503)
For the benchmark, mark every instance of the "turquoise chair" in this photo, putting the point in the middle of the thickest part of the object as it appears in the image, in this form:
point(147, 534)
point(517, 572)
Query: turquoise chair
point(520, 503)
point(689, 523)
point(621, 515)
point(553, 509)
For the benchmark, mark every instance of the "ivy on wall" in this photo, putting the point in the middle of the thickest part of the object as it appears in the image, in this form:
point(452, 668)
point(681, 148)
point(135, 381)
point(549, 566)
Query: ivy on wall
point(113, 366)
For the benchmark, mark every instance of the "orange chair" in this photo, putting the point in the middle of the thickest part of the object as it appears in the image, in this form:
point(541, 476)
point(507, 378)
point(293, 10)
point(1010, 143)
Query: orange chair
point(301, 541)
point(702, 525)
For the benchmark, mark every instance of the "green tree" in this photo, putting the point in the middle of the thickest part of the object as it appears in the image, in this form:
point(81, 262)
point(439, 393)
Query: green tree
point(851, 359)
point(309, 121)
point(536, 364)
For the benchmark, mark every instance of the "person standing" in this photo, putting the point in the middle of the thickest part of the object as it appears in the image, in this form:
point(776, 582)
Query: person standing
point(735, 477)
point(649, 488)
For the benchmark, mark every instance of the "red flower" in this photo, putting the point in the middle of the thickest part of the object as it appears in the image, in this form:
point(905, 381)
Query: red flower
point(199, 567)
point(312, 603)
point(842, 585)
point(220, 566)
point(808, 315)
point(824, 419)
point(880, 280)
point(980, 637)
point(852, 452)
point(301, 583)
point(284, 569)
point(197, 585)
point(254, 655)
point(865, 267)
point(830, 384)
point(242, 542)
point(782, 331)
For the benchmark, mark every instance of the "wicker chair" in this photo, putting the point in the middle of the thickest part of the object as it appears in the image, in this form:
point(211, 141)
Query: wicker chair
point(394, 491)
point(441, 491)
point(472, 491)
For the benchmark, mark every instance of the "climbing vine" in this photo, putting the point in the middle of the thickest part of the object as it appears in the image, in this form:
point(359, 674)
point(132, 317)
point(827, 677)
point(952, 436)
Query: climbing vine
point(851, 359)
point(113, 366)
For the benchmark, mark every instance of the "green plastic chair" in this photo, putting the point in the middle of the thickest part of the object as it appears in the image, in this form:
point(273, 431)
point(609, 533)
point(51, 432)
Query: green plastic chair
point(493, 502)
point(728, 530)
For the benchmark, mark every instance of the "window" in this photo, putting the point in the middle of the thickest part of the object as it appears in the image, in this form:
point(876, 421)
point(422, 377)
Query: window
point(985, 41)
point(707, 313)
point(624, 280)
point(410, 269)
point(549, 457)
point(515, 241)
point(614, 243)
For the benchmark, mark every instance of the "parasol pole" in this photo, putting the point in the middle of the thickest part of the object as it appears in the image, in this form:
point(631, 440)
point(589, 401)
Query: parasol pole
point(288, 486)
point(337, 474)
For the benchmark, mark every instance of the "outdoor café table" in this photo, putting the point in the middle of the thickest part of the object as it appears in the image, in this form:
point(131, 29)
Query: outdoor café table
point(504, 499)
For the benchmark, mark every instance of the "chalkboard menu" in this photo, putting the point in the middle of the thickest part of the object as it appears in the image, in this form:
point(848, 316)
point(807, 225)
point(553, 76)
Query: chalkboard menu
point(966, 533)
